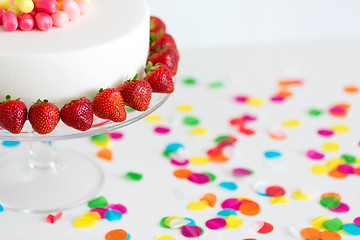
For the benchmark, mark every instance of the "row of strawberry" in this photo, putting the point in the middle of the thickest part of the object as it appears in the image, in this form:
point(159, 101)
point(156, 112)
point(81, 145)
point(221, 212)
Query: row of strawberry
point(108, 103)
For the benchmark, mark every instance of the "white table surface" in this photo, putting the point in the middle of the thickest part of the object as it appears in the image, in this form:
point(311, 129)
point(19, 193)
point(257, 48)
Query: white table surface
point(326, 68)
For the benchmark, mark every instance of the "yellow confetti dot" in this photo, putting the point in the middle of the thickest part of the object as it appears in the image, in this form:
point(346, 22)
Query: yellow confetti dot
point(185, 108)
point(255, 102)
point(335, 162)
point(198, 131)
point(320, 169)
point(279, 200)
point(233, 221)
point(92, 215)
point(154, 118)
point(300, 195)
point(291, 123)
point(318, 222)
point(198, 206)
point(199, 160)
point(358, 162)
point(331, 147)
point(340, 128)
point(165, 238)
point(169, 219)
point(84, 222)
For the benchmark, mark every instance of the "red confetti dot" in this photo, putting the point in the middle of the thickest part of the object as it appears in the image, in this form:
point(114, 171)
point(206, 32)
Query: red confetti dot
point(266, 228)
point(275, 191)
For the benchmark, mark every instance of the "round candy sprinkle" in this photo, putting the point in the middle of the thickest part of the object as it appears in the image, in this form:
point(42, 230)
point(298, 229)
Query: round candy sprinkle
point(216, 84)
point(241, 98)
point(191, 231)
point(272, 154)
point(330, 202)
point(233, 221)
point(348, 158)
point(189, 81)
point(279, 200)
point(337, 174)
point(229, 185)
point(255, 102)
point(343, 207)
point(116, 135)
point(84, 222)
point(291, 123)
point(325, 132)
point(266, 228)
point(117, 234)
point(277, 134)
point(231, 203)
point(113, 215)
point(198, 131)
point(277, 98)
point(199, 160)
point(318, 222)
point(334, 224)
point(340, 128)
point(153, 118)
point(320, 169)
point(182, 173)
point(100, 211)
point(345, 168)
point(351, 229)
point(216, 223)
point(165, 238)
point(199, 178)
point(275, 191)
point(311, 233)
point(173, 147)
point(357, 221)
point(315, 155)
point(92, 215)
point(134, 176)
point(211, 176)
point(242, 172)
point(226, 212)
point(249, 208)
point(105, 154)
point(185, 108)
point(10, 143)
point(331, 147)
point(191, 121)
point(315, 112)
point(162, 130)
point(330, 235)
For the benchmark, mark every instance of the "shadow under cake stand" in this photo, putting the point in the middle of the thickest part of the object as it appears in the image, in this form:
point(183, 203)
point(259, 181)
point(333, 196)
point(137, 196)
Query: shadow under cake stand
point(42, 179)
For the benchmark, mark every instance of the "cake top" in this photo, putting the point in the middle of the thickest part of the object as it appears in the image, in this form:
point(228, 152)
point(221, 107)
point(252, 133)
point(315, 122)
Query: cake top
point(107, 20)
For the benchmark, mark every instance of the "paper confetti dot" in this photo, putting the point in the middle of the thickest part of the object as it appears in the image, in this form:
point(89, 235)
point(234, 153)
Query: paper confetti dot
point(345, 168)
point(216, 223)
point(351, 229)
point(318, 222)
point(331, 147)
point(231, 203)
point(357, 221)
point(310, 233)
point(113, 215)
point(255, 102)
point(334, 173)
point(199, 160)
point(210, 198)
point(233, 222)
point(182, 173)
point(348, 158)
point(275, 191)
point(116, 135)
point(330, 201)
point(191, 231)
point(242, 172)
point(165, 238)
point(325, 132)
point(249, 208)
point(334, 224)
point(266, 228)
point(92, 215)
point(314, 155)
point(343, 207)
point(162, 130)
point(315, 112)
point(301, 195)
point(185, 108)
point(189, 81)
point(134, 176)
point(154, 118)
point(330, 235)
point(226, 212)
point(191, 121)
point(291, 123)
point(105, 154)
point(340, 128)
point(199, 178)
point(272, 154)
point(10, 143)
point(198, 131)
point(117, 234)
point(279, 200)
point(198, 206)
point(351, 89)
point(229, 185)
point(99, 202)
point(84, 222)
point(118, 207)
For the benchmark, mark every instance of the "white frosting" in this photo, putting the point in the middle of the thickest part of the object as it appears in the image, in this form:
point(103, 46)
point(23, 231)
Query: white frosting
point(101, 49)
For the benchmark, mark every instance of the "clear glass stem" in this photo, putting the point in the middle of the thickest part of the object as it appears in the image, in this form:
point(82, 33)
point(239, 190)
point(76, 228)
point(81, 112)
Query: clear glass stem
point(42, 155)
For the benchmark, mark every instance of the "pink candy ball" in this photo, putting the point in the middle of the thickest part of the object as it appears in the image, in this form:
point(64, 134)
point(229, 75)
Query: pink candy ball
point(33, 12)
point(26, 22)
point(60, 18)
point(84, 7)
point(2, 11)
point(71, 8)
point(43, 21)
point(46, 6)
point(10, 21)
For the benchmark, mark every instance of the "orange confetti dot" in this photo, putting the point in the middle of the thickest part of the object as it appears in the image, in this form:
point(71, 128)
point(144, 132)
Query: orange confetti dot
point(343, 105)
point(277, 135)
point(182, 173)
point(284, 93)
point(117, 234)
point(249, 208)
point(351, 89)
point(288, 82)
point(105, 154)
point(311, 234)
point(219, 158)
point(210, 198)
point(330, 235)
point(337, 174)
point(331, 194)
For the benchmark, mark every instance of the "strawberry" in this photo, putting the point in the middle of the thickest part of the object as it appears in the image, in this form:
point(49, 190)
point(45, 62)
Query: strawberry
point(44, 116)
point(78, 114)
point(167, 56)
point(109, 104)
point(136, 93)
point(157, 26)
point(159, 77)
point(159, 42)
point(13, 114)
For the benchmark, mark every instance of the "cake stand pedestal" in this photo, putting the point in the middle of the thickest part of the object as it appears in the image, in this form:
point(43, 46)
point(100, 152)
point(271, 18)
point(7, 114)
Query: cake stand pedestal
point(43, 179)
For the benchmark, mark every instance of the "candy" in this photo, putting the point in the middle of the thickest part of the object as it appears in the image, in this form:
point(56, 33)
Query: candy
point(26, 22)
point(10, 21)
point(60, 18)
point(99, 202)
point(71, 8)
point(4, 4)
point(83, 6)
point(2, 11)
point(46, 6)
point(25, 6)
point(43, 21)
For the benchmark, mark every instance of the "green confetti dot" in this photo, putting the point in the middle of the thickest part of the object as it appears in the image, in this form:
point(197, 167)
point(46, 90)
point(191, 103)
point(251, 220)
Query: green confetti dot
point(162, 222)
point(100, 138)
point(212, 176)
point(217, 84)
point(349, 158)
point(191, 121)
point(99, 202)
point(189, 81)
point(222, 138)
point(330, 202)
point(134, 176)
point(334, 224)
point(167, 153)
point(315, 112)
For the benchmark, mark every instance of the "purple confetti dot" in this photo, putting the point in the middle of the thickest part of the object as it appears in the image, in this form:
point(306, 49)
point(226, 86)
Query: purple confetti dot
point(101, 211)
point(312, 154)
point(191, 231)
point(118, 207)
point(325, 132)
point(357, 221)
point(241, 99)
point(162, 130)
point(179, 162)
point(242, 172)
point(199, 178)
point(343, 207)
point(116, 135)
point(345, 168)
point(277, 99)
point(215, 223)
point(231, 203)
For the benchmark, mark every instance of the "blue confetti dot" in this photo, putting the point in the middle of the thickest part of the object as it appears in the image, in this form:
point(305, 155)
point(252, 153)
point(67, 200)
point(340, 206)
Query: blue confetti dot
point(226, 212)
point(229, 185)
point(128, 236)
point(173, 147)
point(1, 208)
point(10, 143)
point(113, 215)
point(273, 154)
point(351, 229)
point(191, 223)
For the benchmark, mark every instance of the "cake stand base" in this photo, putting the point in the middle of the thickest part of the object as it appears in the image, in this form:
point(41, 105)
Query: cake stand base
point(34, 182)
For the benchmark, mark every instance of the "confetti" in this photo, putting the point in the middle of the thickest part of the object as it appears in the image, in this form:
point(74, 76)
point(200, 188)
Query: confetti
point(210, 198)
point(325, 132)
point(134, 176)
point(165, 238)
point(116, 135)
point(357, 221)
point(191, 231)
point(351, 229)
point(1, 208)
point(191, 121)
point(348, 158)
point(314, 155)
point(233, 222)
point(343, 207)
point(334, 224)
point(318, 222)
point(102, 140)
point(249, 208)
point(198, 206)
point(99, 202)
point(53, 218)
point(84, 222)
point(315, 112)
point(255, 102)
point(113, 215)
point(10, 143)
point(92, 215)
point(162, 130)
point(100, 211)
point(340, 128)
point(198, 131)
point(279, 200)
point(173, 147)
point(231, 203)
point(331, 147)
point(226, 212)
point(242, 172)
point(105, 154)
point(118, 207)
point(240, 98)
point(117, 234)
point(216, 85)
point(330, 235)
point(272, 154)
point(189, 81)
point(302, 195)
point(311, 233)
point(351, 89)
point(199, 160)
point(154, 118)
point(199, 178)
point(229, 185)
point(275, 191)
point(291, 123)
point(182, 173)
point(216, 223)
point(266, 228)
point(185, 108)
point(177, 223)
point(330, 201)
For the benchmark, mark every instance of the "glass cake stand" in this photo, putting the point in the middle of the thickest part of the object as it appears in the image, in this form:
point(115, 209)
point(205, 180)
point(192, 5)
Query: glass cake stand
point(41, 179)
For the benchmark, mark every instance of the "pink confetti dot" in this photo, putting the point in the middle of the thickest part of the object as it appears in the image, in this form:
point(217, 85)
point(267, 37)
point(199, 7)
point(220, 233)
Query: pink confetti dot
point(242, 172)
point(231, 203)
point(337, 110)
point(240, 98)
point(357, 221)
point(191, 231)
point(118, 207)
point(343, 207)
point(116, 135)
point(277, 99)
point(215, 223)
point(325, 132)
point(199, 178)
point(345, 168)
point(179, 162)
point(162, 130)
point(101, 211)
point(312, 154)
point(249, 118)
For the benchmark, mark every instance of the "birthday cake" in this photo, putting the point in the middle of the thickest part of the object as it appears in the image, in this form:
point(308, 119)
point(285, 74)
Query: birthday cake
point(100, 50)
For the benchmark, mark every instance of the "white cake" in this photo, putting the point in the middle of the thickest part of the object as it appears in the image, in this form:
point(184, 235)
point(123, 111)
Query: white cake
point(101, 49)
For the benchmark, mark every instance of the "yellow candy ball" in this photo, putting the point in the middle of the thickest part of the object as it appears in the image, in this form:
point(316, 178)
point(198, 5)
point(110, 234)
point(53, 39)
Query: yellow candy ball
point(15, 10)
point(88, 1)
point(4, 4)
point(24, 6)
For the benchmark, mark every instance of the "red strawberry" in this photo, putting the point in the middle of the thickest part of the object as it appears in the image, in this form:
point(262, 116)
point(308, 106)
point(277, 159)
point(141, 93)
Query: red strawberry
point(157, 26)
point(44, 116)
point(109, 104)
point(160, 42)
point(136, 93)
point(168, 57)
point(78, 114)
point(13, 114)
point(159, 77)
